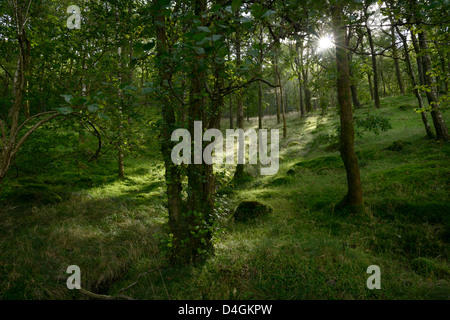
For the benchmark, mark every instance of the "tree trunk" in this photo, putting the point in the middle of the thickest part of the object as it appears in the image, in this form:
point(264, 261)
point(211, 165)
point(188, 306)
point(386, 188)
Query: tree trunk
point(416, 90)
point(383, 80)
point(433, 99)
point(240, 105)
point(231, 111)
point(376, 90)
point(175, 206)
point(354, 198)
point(353, 86)
point(260, 106)
point(398, 72)
point(278, 79)
point(419, 57)
point(300, 91)
point(277, 97)
point(308, 104)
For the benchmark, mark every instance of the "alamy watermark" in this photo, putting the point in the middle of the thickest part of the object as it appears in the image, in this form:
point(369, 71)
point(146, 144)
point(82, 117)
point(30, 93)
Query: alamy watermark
point(374, 281)
point(74, 281)
point(257, 147)
point(74, 21)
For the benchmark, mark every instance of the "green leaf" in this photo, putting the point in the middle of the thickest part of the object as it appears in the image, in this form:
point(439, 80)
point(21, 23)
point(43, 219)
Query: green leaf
point(268, 14)
point(203, 29)
point(235, 4)
point(93, 107)
point(65, 110)
point(199, 50)
point(103, 116)
point(216, 37)
point(67, 97)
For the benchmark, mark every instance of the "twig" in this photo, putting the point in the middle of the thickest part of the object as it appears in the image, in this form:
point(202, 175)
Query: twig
point(103, 296)
point(139, 276)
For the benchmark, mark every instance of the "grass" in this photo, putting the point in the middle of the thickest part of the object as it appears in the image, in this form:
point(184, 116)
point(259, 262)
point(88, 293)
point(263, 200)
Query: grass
point(304, 249)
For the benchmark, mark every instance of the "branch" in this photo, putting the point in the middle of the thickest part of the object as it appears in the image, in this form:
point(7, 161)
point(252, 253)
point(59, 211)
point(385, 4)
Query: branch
point(230, 89)
point(30, 131)
point(6, 71)
point(139, 276)
point(103, 296)
point(34, 117)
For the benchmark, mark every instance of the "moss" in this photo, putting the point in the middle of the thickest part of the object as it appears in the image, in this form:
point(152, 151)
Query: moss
point(250, 210)
point(322, 163)
point(280, 181)
point(406, 107)
point(398, 145)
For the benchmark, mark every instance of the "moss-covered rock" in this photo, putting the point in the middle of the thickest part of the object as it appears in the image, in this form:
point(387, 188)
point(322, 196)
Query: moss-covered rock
point(250, 210)
point(280, 181)
point(397, 145)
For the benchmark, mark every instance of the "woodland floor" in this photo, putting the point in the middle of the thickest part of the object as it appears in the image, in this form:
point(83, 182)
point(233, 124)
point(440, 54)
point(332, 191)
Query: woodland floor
point(67, 211)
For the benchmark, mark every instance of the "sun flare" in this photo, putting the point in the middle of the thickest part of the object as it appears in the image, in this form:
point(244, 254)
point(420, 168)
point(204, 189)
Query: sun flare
point(325, 43)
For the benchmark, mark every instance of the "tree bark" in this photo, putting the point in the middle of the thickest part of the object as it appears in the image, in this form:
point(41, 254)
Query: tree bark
point(353, 86)
point(239, 103)
point(281, 105)
point(419, 57)
point(398, 72)
point(354, 197)
point(430, 81)
point(416, 90)
point(172, 172)
point(376, 90)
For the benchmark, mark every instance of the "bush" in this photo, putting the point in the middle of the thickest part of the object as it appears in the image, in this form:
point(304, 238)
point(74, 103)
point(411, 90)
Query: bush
point(372, 123)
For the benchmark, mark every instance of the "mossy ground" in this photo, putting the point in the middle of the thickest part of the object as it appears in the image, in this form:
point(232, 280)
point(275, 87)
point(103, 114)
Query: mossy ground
point(305, 249)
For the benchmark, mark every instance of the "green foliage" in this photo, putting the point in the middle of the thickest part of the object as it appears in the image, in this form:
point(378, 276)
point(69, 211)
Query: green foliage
point(372, 123)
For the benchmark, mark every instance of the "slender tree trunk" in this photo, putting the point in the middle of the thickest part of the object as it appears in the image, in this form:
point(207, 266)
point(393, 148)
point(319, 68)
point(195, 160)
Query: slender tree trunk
point(260, 106)
point(240, 104)
point(231, 111)
point(277, 97)
point(308, 103)
point(398, 72)
point(278, 79)
point(416, 90)
point(430, 81)
point(369, 78)
point(354, 197)
point(383, 80)
point(376, 90)
point(418, 57)
point(121, 171)
point(353, 86)
point(300, 92)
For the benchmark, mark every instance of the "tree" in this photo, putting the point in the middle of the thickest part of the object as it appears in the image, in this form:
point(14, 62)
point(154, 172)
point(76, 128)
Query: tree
point(11, 141)
point(354, 197)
